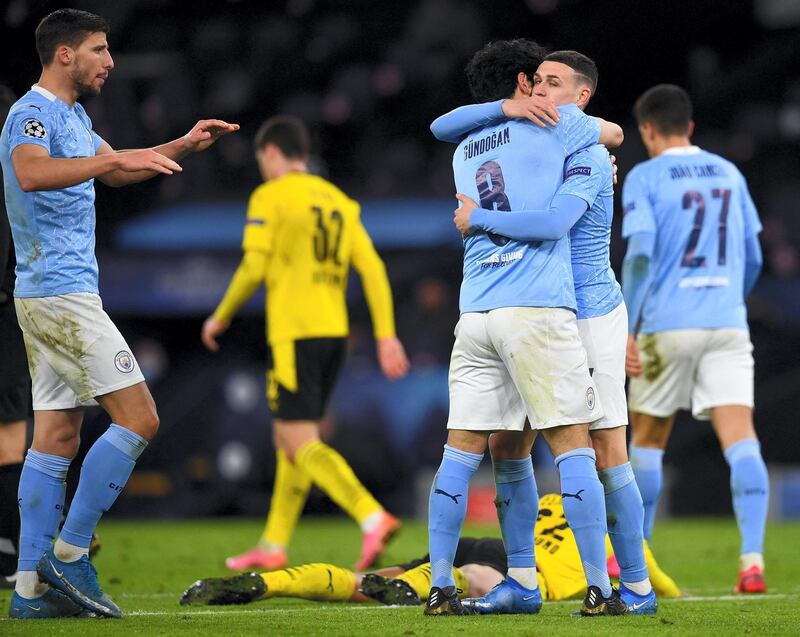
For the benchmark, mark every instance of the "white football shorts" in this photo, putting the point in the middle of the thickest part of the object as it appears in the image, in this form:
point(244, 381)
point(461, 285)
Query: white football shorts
point(74, 351)
point(514, 362)
point(605, 339)
point(693, 369)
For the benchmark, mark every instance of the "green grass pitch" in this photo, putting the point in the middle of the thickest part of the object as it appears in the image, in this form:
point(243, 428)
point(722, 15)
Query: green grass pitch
point(145, 566)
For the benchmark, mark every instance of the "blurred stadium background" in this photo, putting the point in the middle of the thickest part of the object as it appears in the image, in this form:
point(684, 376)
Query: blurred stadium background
point(369, 77)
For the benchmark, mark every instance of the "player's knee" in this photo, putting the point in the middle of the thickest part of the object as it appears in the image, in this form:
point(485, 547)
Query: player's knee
point(64, 443)
point(508, 448)
point(146, 425)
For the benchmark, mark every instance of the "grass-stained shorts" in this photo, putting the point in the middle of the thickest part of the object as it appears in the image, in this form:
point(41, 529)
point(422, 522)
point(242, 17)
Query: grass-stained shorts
point(75, 352)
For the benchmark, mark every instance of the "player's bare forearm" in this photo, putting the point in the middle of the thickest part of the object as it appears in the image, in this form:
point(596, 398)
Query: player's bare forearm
point(611, 134)
point(36, 170)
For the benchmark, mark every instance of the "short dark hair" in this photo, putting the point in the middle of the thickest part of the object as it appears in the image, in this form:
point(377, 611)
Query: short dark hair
point(492, 71)
point(582, 65)
point(667, 106)
point(288, 133)
point(66, 26)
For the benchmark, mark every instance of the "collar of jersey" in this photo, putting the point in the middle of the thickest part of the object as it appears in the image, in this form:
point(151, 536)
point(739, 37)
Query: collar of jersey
point(43, 91)
point(682, 150)
point(59, 103)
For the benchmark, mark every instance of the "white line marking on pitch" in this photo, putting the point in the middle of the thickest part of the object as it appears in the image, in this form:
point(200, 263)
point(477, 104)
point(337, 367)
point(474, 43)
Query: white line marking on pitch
point(349, 607)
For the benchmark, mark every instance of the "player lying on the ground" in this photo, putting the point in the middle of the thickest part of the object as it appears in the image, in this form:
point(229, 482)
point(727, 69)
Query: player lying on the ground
point(479, 565)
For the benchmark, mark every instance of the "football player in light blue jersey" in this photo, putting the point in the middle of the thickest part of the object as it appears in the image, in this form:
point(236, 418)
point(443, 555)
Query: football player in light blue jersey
point(584, 208)
point(50, 158)
point(518, 353)
point(693, 257)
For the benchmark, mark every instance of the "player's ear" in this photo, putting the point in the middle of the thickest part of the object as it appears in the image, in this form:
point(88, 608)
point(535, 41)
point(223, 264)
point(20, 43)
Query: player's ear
point(584, 96)
point(690, 129)
point(524, 84)
point(64, 54)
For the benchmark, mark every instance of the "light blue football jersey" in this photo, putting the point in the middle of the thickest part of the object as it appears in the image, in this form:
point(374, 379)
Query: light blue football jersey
point(588, 175)
point(53, 230)
point(515, 165)
point(698, 205)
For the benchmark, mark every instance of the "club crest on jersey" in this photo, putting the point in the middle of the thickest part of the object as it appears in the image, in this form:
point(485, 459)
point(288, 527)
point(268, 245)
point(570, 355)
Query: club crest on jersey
point(34, 128)
point(590, 398)
point(124, 362)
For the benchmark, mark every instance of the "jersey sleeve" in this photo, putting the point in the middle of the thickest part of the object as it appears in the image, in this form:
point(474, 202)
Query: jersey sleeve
point(259, 225)
point(452, 126)
point(28, 125)
point(584, 175)
point(637, 210)
point(752, 222)
point(578, 130)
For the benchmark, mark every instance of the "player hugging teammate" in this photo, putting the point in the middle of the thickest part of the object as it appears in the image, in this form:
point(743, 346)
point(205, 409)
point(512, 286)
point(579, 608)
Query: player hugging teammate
point(524, 227)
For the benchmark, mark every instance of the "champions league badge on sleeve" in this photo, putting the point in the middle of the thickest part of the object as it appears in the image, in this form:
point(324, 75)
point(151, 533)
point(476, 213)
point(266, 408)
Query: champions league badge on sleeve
point(34, 128)
point(124, 362)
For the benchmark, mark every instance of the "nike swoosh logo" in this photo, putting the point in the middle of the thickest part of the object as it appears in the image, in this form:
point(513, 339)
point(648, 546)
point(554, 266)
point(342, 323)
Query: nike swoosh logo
point(55, 570)
point(638, 606)
point(36, 608)
point(528, 598)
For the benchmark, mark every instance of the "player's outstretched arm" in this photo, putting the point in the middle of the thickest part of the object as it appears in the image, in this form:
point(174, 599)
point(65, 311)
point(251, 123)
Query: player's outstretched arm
point(36, 170)
point(246, 280)
point(525, 225)
point(453, 126)
point(202, 135)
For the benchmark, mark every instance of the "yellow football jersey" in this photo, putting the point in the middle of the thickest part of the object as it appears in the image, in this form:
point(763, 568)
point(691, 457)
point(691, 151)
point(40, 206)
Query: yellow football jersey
point(312, 233)
point(557, 557)
point(559, 563)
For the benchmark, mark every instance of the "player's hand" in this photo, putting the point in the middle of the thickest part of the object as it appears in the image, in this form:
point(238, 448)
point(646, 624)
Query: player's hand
point(213, 328)
point(147, 159)
point(392, 358)
point(614, 167)
point(462, 214)
point(540, 110)
point(633, 363)
point(206, 132)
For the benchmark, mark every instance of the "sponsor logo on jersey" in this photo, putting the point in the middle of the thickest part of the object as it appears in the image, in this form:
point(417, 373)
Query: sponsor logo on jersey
point(501, 260)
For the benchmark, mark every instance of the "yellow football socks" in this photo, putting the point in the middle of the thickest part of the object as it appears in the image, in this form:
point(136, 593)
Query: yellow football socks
point(420, 580)
point(322, 582)
point(289, 494)
point(331, 473)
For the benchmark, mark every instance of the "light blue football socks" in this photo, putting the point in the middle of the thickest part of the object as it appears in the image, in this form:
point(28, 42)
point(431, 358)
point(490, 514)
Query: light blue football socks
point(625, 516)
point(585, 509)
point(647, 464)
point(750, 492)
point(105, 470)
point(517, 503)
point(42, 486)
point(447, 509)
